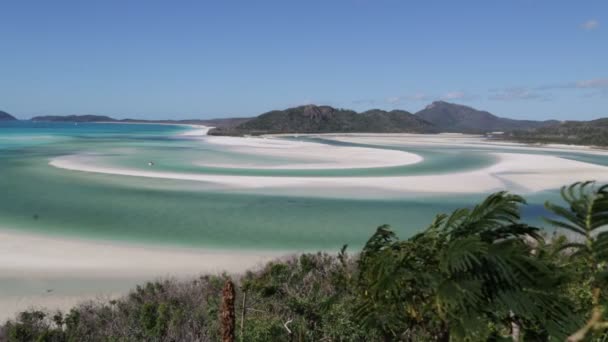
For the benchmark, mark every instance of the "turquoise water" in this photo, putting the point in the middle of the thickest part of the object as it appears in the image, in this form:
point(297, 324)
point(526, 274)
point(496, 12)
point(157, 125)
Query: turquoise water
point(40, 198)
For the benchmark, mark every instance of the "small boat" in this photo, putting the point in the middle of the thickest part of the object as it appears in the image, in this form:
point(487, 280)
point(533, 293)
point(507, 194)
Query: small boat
point(150, 163)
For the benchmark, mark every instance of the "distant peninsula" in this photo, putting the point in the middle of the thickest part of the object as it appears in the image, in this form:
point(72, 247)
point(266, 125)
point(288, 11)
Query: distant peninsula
point(102, 118)
point(4, 116)
point(451, 117)
point(73, 118)
point(437, 117)
point(594, 132)
point(326, 119)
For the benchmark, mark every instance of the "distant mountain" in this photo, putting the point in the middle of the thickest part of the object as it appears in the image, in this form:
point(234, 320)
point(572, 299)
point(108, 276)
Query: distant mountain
point(594, 132)
point(450, 117)
point(326, 119)
point(4, 116)
point(223, 122)
point(437, 117)
point(73, 118)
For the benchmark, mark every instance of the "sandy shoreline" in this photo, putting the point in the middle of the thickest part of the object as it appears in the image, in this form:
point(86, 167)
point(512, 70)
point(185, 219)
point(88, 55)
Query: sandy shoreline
point(524, 173)
point(44, 271)
point(309, 155)
point(27, 253)
point(454, 139)
point(31, 264)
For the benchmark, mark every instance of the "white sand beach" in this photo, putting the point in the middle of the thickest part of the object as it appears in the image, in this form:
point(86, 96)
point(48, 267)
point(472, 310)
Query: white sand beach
point(521, 172)
point(300, 154)
point(43, 271)
point(198, 130)
point(524, 173)
point(38, 269)
point(453, 140)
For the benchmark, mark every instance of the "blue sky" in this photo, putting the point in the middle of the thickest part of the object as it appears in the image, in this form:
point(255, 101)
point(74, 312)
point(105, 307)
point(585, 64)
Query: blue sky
point(188, 59)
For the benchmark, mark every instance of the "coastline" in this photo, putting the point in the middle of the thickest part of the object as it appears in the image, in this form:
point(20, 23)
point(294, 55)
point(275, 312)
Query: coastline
point(300, 153)
point(450, 139)
point(525, 173)
point(75, 270)
point(42, 271)
point(146, 123)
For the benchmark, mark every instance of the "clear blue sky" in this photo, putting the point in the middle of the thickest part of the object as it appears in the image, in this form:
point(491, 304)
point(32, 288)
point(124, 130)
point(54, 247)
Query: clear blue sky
point(187, 59)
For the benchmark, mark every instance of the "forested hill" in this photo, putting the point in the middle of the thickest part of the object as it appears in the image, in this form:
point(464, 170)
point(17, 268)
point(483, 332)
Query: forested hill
point(439, 116)
point(222, 122)
point(451, 117)
point(594, 132)
point(4, 116)
point(326, 119)
point(73, 118)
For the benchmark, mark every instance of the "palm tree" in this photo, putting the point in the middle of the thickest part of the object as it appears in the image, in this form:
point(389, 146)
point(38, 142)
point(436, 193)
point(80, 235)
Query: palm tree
point(472, 274)
point(586, 217)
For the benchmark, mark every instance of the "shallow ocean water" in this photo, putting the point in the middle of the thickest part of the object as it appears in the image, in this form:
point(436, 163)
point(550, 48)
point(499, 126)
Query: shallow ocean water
point(37, 197)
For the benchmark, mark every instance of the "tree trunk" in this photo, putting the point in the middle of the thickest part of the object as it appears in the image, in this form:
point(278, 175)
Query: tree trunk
point(515, 328)
point(243, 311)
point(444, 334)
point(227, 316)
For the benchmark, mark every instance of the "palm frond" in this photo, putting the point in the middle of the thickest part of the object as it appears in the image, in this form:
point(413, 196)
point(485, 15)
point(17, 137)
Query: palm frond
point(496, 211)
point(463, 254)
point(588, 209)
point(600, 246)
point(560, 224)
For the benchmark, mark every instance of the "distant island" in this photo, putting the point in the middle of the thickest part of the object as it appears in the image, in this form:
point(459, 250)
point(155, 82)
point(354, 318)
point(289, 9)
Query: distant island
point(437, 117)
point(73, 118)
point(594, 132)
point(4, 116)
point(102, 118)
point(326, 119)
point(451, 117)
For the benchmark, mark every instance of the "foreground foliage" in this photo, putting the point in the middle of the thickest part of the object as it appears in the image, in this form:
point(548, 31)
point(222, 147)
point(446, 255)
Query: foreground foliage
point(474, 273)
point(477, 274)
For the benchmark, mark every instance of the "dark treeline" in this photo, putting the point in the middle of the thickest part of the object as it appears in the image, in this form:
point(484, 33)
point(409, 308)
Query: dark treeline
point(593, 132)
point(478, 274)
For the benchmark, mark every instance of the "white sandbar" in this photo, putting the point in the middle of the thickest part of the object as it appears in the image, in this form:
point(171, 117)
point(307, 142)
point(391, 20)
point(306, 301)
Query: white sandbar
point(309, 155)
point(519, 172)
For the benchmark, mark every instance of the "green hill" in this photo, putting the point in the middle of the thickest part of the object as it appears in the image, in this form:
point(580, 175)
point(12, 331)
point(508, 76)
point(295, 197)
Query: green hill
point(594, 132)
point(437, 117)
point(451, 117)
point(326, 119)
point(73, 118)
point(222, 122)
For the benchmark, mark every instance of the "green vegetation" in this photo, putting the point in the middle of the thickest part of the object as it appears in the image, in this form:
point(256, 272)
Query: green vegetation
point(451, 117)
point(73, 118)
point(593, 132)
point(477, 274)
point(228, 122)
point(437, 117)
point(325, 119)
